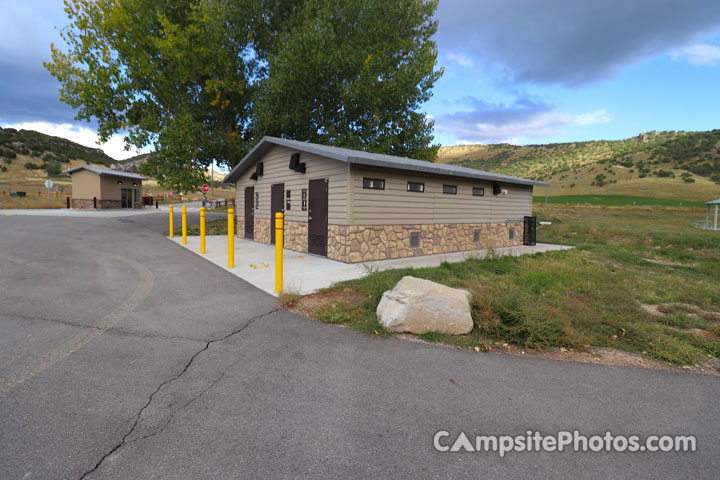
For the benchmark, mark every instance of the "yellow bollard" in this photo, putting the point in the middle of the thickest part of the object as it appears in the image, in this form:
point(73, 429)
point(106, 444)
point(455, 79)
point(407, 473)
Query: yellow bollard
point(184, 225)
point(278, 252)
point(202, 229)
point(231, 238)
point(171, 222)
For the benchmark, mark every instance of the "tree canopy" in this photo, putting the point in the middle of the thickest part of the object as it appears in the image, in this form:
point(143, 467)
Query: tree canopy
point(204, 80)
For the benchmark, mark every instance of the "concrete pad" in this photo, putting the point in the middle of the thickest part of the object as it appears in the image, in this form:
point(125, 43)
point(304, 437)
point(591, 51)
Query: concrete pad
point(306, 273)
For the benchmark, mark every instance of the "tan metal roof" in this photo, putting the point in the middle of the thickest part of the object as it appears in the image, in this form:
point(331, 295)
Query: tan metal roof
point(105, 172)
point(371, 159)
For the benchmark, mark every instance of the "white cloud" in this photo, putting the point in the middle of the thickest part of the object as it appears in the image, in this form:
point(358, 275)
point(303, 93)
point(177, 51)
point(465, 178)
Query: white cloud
point(506, 123)
point(79, 134)
point(592, 118)
point(459, 59)
point(701, 54)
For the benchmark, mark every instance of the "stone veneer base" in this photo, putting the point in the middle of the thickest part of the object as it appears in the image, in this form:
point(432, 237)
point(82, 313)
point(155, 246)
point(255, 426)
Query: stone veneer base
point(363, 243)
point(87, 204)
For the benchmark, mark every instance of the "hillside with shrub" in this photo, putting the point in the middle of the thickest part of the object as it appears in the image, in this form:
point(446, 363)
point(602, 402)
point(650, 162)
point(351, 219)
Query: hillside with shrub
point(682, 165)
point(44, 149)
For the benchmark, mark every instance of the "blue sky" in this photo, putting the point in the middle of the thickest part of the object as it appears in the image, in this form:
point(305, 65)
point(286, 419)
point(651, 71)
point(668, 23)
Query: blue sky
point(518, 71)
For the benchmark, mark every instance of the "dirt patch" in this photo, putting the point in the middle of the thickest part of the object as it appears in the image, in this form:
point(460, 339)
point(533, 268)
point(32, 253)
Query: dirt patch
point(306, 305)
point(669, 263)
point(663, 309)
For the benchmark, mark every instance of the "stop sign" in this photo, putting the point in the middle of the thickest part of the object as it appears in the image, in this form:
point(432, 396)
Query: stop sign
point(205, 188)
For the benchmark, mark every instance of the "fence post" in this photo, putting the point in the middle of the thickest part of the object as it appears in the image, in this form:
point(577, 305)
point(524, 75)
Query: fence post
point(231, 238)
point(171, 221)
point(184, 225)
point(278, 252)
point(202, 229)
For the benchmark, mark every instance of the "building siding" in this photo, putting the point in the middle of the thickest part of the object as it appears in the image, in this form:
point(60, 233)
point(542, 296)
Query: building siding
point(275, 170)
point(395, 205)
point(85, 185)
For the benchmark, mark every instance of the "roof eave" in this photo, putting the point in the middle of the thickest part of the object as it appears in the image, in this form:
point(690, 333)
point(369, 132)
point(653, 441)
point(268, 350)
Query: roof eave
point(480, 175)
point(248, 159)
point(238, 169)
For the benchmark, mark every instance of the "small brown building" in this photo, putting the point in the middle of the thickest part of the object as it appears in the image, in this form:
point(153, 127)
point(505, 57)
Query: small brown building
point(94, 187)
point(354, 206)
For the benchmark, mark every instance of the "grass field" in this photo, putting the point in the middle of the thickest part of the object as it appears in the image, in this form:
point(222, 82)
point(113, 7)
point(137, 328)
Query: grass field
point(212, 227)
point(617, 201)
point(641, 281)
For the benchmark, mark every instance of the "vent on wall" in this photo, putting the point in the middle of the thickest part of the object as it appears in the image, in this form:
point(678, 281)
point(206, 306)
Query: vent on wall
point(415, 240)
point(294, 161)
point(295, 164)
point(258, 171)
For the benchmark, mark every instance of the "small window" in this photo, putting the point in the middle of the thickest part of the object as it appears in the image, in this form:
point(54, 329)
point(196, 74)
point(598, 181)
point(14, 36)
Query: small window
point(374, 183)
point(137, 195)
point(476, 236)
point(257, 200)
point(415, 187)
point(512, 234)
point(287, 200)
point(478, 192)
point(450, 189)
point(415, 240)
point(303, 203)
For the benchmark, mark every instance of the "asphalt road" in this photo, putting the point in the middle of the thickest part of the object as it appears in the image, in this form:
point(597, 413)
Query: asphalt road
point(124, 356)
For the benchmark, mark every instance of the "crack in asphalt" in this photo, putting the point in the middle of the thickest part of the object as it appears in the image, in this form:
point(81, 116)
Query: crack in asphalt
point(117, 331)
point(123, 440)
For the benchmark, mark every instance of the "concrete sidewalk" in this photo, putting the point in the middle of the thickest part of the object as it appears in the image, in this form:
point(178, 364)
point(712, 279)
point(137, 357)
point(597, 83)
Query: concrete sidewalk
point(305, 273)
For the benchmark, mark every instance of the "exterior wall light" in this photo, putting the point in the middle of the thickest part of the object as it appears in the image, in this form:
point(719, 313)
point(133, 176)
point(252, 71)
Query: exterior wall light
point(119, 182)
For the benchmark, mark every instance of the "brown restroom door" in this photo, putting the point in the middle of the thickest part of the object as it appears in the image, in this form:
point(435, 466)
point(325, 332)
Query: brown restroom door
point(250, 212)
point(277, 194)
point(318, 216)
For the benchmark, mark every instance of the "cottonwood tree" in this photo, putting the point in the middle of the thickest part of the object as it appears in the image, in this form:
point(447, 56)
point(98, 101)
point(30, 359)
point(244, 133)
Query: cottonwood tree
point(353, 74)
point(203, 80)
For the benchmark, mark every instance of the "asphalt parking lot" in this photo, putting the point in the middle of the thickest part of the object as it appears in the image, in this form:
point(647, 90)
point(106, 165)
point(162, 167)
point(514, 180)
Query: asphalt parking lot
point(123, 355)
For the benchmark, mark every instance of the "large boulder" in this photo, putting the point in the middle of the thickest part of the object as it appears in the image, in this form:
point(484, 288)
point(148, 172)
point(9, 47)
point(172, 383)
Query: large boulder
point(418, 306)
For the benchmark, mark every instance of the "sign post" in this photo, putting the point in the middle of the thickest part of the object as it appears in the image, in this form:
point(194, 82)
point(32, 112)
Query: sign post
point(205, 189)
point(48, 185)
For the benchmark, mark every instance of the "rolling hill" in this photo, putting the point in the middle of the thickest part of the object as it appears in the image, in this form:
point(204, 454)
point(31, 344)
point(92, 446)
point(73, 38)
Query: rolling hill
point(673, 165)
point(669, 165)
point(28, 157)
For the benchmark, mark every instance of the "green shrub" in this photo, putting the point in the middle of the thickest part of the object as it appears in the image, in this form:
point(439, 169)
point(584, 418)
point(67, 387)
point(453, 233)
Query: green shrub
point(9, 154)
point(48, 157)
point(32, 166)
point(7, 160)
point(3, 169)
point(53, 168)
